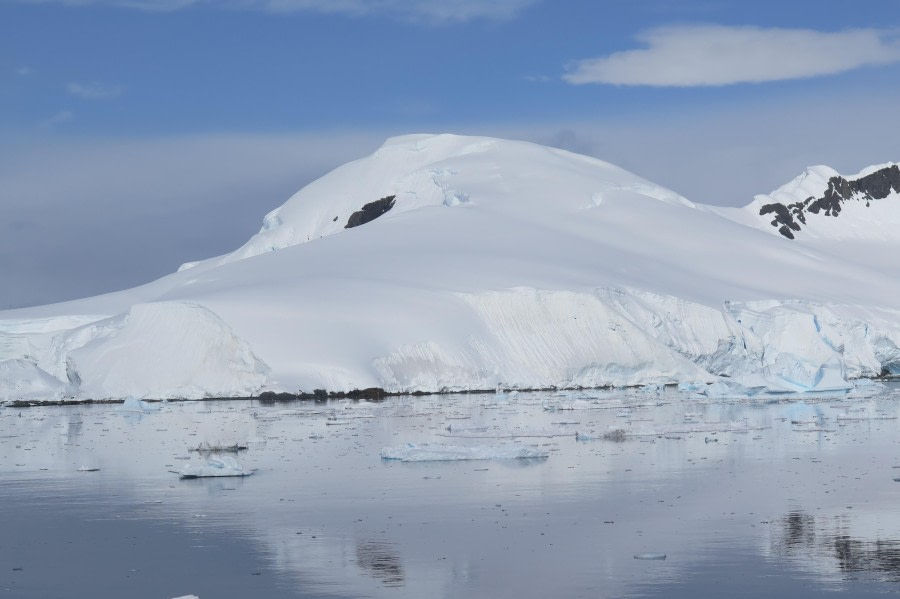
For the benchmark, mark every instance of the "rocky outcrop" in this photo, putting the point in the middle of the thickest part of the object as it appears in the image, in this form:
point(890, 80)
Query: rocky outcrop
point(370, 212)
point(790, 218)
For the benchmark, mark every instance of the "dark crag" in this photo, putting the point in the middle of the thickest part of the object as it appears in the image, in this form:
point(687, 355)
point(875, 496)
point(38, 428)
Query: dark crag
point(875, 186)
point(370, 212)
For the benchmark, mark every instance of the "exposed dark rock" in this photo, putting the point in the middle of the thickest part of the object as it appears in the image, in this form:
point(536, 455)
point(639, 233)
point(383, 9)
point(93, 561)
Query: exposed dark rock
point(370, 212)
point(272, 397)
point(875, 186)
point(784, 230)
point(368, 393)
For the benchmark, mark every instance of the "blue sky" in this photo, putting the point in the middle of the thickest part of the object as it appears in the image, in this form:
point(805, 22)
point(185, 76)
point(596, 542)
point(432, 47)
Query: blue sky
point(139, 134)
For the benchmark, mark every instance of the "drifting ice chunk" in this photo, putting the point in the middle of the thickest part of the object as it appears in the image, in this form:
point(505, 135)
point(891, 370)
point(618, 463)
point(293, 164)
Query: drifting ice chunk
point(651, 556)
point(438, 452)
point(132, 404)
point(221, 466)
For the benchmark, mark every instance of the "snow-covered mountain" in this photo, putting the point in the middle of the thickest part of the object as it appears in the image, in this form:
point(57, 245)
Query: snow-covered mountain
point(443, 262)
point(810, 202)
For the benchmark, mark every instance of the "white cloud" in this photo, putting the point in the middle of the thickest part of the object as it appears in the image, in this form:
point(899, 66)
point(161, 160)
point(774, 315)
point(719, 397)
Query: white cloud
point(95, 91)
point(727, 155)
point(708, 55)
point(57, 119)
point(419, 10)
point(24, 71)
point(82, 217)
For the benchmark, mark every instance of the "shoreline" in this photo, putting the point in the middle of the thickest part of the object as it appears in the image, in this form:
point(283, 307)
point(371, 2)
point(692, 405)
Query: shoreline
point(319, 395)
point(272, 397)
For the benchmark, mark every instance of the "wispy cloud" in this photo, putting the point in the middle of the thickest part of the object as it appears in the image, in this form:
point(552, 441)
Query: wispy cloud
point(145, 198)
point(63, 116)
point(711, 55)
point(94, 91)
point(444, 11)
point(24, 71)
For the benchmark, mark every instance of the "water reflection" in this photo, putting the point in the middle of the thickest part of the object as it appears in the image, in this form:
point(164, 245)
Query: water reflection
point(799, 531)
point(381, 560)
point(324, 515)
point(832, 542)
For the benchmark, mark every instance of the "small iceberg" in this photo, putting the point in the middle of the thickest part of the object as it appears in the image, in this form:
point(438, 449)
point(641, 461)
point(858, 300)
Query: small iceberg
point(438, 452)
point(214, 467)
point(650, 556)
point(139, 406)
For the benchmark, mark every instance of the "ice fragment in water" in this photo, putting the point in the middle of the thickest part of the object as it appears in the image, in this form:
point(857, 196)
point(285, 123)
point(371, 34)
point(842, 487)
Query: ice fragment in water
point(218, 466)
point(650, 556)
point(132, 404)
point(438, 452)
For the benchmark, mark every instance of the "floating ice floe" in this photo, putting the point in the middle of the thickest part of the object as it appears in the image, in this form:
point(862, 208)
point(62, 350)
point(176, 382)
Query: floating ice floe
point(132, 404)
point(650, 556)
point(214, 467)
point(439, 452)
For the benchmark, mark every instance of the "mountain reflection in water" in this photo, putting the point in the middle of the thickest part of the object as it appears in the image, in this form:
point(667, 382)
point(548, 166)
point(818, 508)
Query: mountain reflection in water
point(380, 560)
point(805, 536)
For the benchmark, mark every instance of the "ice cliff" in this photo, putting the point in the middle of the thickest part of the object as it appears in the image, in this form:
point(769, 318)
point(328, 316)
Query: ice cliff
point(443, 262)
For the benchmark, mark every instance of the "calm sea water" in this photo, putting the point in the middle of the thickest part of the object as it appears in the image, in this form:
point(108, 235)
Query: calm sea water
point(780, 498)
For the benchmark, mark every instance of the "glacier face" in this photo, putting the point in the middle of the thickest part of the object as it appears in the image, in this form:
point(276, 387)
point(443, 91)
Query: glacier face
point(497, 263)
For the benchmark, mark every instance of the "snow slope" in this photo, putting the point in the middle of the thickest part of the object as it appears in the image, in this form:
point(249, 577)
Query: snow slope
point(497, 263)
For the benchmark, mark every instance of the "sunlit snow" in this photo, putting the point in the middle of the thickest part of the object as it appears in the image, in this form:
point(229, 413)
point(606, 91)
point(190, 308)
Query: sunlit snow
point(499, 264)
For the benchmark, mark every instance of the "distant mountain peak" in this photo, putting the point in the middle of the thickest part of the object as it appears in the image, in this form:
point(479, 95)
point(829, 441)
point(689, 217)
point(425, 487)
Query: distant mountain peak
point(821, 191)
